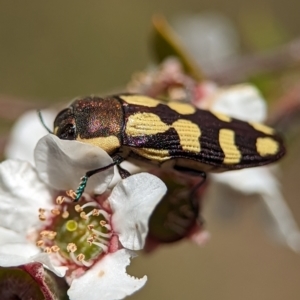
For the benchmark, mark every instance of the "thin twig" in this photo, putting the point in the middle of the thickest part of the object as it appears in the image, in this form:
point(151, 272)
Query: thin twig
point(240, 69)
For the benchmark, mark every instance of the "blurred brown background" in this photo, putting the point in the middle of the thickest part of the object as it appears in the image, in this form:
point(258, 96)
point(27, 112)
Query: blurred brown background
point(53, 51)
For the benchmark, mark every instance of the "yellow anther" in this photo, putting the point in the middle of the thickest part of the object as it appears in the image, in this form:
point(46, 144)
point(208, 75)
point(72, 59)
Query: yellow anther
point(48, 250)
point(44, 233)
point(55, 211)
point(40, 243)
point(90, 240)
point(83, 215)
point(90, 226)
point(55, 248)
point(42, 217)
point(71, 247)
point(60, 199)
point(96, 212)
point(65, 214)
point(48, 234)
point(78, 208)
point(102, 223)
point(71, 194)
point(80, 257)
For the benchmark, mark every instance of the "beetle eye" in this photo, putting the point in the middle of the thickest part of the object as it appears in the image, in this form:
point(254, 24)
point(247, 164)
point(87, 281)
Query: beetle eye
point(67, 132)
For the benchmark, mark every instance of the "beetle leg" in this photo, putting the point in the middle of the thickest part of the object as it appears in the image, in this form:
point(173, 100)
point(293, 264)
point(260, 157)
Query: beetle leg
point(85, 178)
point(93, 172)
point(117, 159)
point(123, 173)
point(193, 195)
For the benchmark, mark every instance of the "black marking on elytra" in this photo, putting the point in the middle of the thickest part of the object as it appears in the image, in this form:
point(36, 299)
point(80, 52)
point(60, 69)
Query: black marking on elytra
point(167, 140)
point(94, 117)
point(210, 125)
point(165, 113)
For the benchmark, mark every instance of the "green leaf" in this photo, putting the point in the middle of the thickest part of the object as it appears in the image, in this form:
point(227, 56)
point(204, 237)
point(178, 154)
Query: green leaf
point(165, 43)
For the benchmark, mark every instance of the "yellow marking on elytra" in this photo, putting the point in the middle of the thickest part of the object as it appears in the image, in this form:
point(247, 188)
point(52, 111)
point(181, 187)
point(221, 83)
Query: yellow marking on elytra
point(109, 144)
point(189, 134)
point(227, 143)
point(182, 108)
point(262, 128)
point(55, 130)
point(141, 124)
point(145, 124)
point(221, 116)
point(140, 100)
point(266, 146)
point(153, 154)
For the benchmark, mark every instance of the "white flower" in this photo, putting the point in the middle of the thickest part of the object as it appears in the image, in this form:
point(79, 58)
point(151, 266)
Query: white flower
point(91, 244)
point(245, 102)
point(26, 133)
point(242, 101)
point(210, 37)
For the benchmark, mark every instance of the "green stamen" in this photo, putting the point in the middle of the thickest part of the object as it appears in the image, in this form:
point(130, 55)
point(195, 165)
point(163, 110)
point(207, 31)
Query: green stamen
point(87, 233)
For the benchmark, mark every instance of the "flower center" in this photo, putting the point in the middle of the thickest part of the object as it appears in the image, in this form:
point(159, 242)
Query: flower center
point(79, 233)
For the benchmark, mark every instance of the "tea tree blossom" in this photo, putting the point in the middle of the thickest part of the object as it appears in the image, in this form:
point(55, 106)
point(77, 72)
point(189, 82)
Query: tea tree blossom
point(90, 242)
point(22, 141)
point(243, 102)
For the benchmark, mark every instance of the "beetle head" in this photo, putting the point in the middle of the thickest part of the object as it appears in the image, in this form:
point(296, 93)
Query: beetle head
point(93, 120)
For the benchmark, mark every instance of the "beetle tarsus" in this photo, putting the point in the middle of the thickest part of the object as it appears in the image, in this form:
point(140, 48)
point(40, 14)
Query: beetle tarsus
point(81, 188)
point(85, 178)
point(193, 195)
point(123, 173)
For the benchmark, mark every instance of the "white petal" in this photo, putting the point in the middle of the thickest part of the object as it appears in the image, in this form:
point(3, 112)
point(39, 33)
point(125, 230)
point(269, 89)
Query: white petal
point(247, 181)
point(16, 254)
point(128, 166)
point(211, 38)
point(262, 181)
point(132, 201)
point(107, 279)
point(45, 259)
point(22, 193)
point(284, 227)
point(242, 101)
point(200, 237)
point(26, 133)
point(61, 164)
point(8, 236)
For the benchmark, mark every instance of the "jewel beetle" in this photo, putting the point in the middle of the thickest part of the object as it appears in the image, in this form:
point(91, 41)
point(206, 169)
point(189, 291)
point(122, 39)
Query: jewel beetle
point(166, 134)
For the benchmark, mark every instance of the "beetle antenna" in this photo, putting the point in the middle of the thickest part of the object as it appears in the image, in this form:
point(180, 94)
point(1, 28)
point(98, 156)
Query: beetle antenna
point(43, 122)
